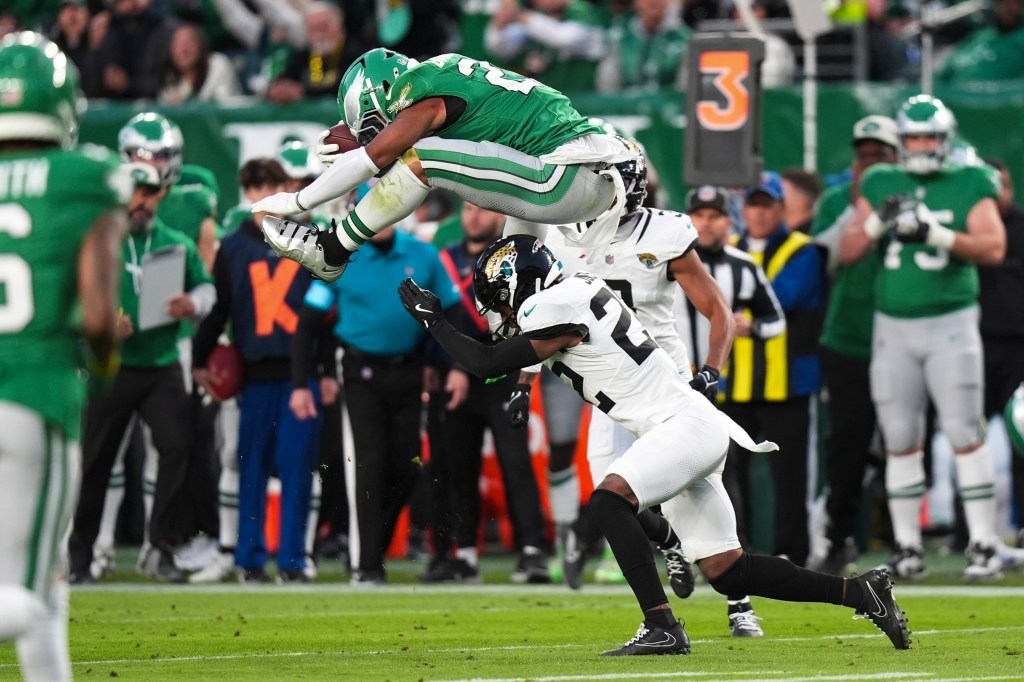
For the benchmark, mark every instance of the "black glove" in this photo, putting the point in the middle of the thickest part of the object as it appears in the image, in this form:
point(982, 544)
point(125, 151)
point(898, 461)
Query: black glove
point(706, 381)
point(900, 215)
point(519, 406)
point(421, 303)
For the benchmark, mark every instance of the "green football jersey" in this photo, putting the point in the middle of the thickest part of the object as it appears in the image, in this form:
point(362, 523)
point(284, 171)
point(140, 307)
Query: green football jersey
point(48, 202)
point(501, 106)
point(917, 280)
point(186, 207)
point(849, 321)
point(156, 347)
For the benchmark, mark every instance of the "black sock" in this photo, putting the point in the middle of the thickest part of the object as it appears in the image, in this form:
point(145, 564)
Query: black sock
point(618, 521)
point(778, 578)
point(334, 252)
point(658, 529)
point(662, 618)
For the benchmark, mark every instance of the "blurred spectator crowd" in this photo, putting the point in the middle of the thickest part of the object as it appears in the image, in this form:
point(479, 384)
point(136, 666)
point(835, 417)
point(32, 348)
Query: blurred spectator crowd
point(177, 51)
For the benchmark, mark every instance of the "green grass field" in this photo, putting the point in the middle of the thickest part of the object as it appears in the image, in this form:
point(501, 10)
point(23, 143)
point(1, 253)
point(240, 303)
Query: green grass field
point(500, 631)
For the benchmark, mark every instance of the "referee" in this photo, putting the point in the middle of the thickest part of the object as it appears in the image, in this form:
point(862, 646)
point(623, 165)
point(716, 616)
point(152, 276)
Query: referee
point(756, 311)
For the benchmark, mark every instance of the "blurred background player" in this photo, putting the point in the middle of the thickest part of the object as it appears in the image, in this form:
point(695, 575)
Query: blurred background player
point(150, 383)
point(462, 410)
point(382, 369)
point(260, 294)
point(846, 345)
point(933, 224)
point(59, 246)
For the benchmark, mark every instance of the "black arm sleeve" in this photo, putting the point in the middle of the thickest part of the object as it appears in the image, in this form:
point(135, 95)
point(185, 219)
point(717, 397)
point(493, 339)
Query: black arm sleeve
point(481, 359)
point(213, 324)
point(304, 344)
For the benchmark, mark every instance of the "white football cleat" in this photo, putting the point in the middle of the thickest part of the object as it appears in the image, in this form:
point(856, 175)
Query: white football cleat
point(301, 243)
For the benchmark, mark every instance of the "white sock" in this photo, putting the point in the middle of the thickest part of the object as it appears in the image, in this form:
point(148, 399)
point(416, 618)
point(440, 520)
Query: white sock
point(148, 493)
point(390, 201)
point(904, 485)
point(976, 482)
point(227, 507)
point(111, 507)
point(467, 554)
point(21, 610)
point(564, 493)
point(314, 514)
point(43, 650)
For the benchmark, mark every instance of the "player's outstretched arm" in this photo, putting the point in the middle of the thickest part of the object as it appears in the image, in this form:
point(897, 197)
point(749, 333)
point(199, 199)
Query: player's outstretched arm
point(353, 168)
point(707, 297)
point(99, 271)
point(480, 359)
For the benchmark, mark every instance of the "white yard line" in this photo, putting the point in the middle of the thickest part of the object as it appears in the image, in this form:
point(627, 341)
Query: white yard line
point(447, 650)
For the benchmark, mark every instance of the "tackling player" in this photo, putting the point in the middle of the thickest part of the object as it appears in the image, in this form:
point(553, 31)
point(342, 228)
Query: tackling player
point(496, 139)
point(584, 333)
point(932, 223)
point(61, 223)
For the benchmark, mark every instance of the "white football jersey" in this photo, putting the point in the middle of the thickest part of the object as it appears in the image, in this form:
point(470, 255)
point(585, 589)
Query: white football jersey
point(618, 367)
point(635, 266)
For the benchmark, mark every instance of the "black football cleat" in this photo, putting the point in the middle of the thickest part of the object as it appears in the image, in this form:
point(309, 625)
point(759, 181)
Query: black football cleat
point(680, 572)
point(880, 607)
point(655, 641)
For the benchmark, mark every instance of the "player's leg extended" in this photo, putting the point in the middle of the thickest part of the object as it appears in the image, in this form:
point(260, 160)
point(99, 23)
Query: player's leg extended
point(39, 470)
point(954, 374)
point(508, 181)
point(899, 393)
point(712, 540)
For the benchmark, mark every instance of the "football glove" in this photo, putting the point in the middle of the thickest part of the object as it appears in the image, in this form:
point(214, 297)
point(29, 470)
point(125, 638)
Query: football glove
point(421, 303)
point(281, 204)
point(327, 153)
point(706, 382)
point(519, 406)
point(921, 227)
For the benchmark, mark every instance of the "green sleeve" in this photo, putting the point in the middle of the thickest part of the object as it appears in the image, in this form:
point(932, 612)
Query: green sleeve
point(195, 272)
point(833, 203)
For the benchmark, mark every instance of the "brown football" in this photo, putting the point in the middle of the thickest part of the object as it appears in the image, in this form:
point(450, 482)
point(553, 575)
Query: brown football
point(341, 135)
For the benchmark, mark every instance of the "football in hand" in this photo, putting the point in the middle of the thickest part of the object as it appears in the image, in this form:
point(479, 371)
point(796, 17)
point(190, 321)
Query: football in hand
point(341, 135)
point(225, 364)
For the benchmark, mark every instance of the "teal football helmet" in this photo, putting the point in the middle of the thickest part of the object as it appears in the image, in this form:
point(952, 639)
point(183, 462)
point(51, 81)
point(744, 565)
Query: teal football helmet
point(38, 91)
point(364, 90)
point(1014, 416)
point(925, 115)
point(153, 139)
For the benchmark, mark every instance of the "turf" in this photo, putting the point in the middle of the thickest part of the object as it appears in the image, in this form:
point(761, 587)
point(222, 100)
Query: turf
point(491, 632)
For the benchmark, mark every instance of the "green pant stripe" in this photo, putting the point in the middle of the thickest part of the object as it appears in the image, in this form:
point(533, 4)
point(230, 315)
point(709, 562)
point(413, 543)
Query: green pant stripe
point(977, 496)
point(346, 225)
point(358, 223)
point(983, 487)
point(501, 186)
point(490, 163)
point(39, 518)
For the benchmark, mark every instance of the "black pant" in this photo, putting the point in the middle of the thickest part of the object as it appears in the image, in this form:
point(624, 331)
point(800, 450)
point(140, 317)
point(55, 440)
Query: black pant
point(158, 395)
point(851, 428)
point(1004, 370)
point(455, 468)
point(200, 510)
point(786, 423)
point(383, 402)
point(333, 499)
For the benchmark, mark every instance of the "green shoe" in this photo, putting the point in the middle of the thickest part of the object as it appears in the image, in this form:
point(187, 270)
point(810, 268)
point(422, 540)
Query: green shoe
point(608, 571)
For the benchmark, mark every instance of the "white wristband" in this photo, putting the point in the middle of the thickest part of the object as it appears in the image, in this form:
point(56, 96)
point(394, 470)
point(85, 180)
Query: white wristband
point(873, 226)
point(940, 237)
point(348, 171)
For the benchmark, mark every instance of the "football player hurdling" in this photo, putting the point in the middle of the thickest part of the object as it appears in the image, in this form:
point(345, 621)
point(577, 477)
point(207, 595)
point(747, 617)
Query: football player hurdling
point(496, 139)
point(577, 326)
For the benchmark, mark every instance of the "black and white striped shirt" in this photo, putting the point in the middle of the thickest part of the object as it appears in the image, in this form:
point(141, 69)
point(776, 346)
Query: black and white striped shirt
point(745, 287)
